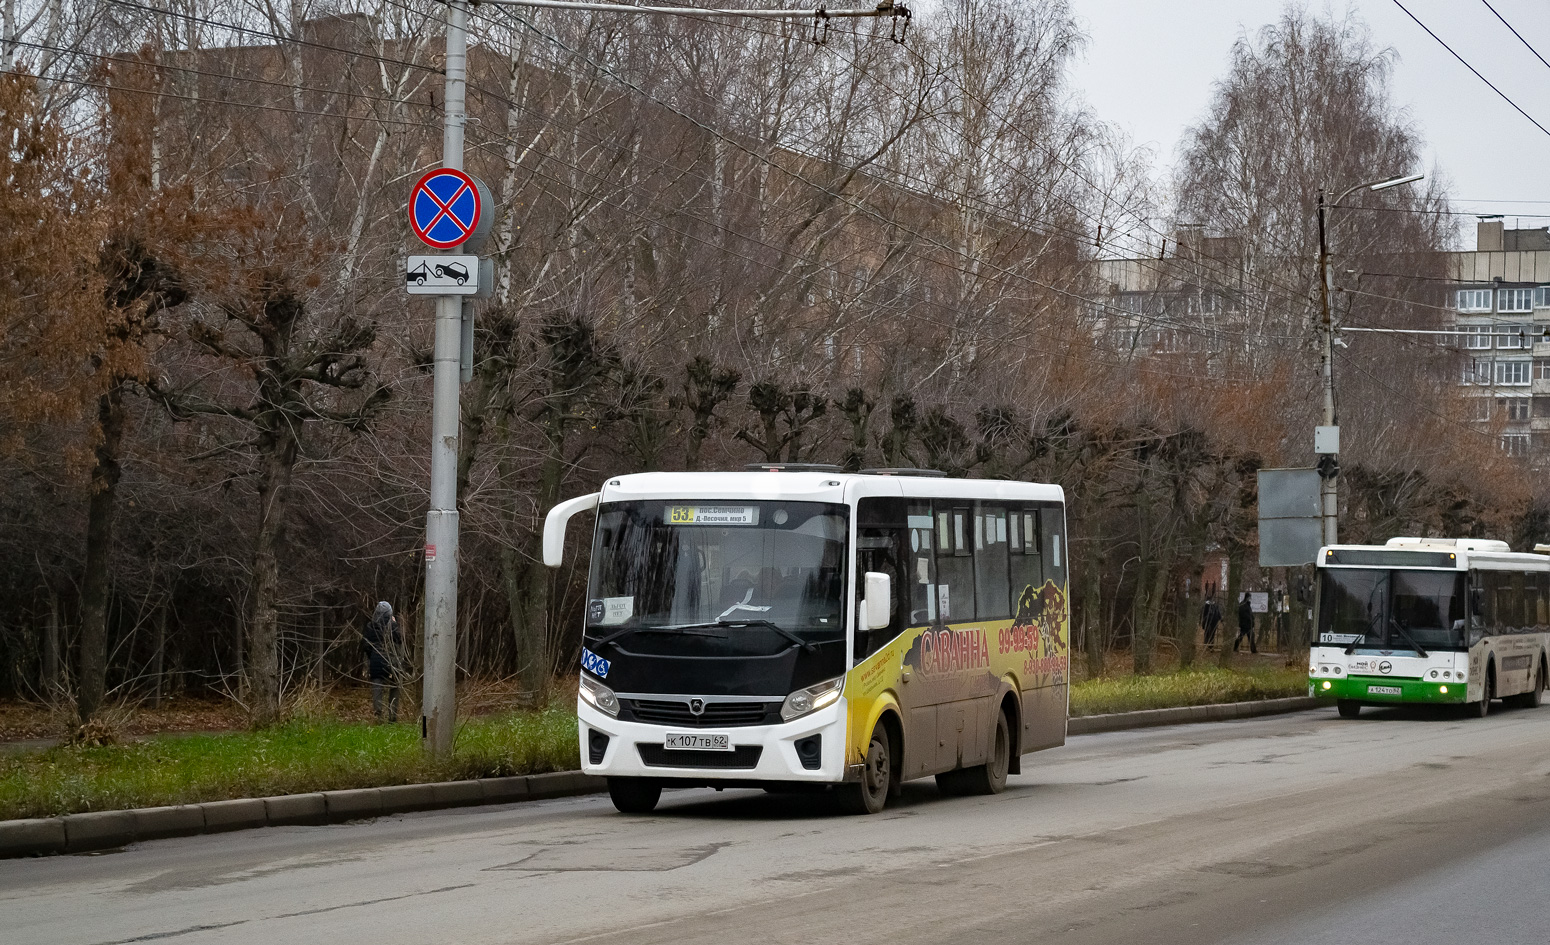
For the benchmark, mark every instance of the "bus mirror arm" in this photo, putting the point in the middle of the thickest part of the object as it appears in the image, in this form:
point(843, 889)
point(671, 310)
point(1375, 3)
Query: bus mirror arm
point(879, 589)
point(555, 522)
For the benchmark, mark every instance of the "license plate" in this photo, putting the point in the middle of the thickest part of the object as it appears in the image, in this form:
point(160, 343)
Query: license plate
point(697, 741)
point(1384, 691)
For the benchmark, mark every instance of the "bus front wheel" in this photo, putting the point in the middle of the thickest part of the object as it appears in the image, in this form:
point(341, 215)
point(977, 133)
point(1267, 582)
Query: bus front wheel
point(1348, 708)
point(634, 795)
point(870, 794)
point(1483, 709)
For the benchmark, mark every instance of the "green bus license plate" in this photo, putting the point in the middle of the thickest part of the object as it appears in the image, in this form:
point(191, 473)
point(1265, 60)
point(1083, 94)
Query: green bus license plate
point(1384, 691)
point(697, 741)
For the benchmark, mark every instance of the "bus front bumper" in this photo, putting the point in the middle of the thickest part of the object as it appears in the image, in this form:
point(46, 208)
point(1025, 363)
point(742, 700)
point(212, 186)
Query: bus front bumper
point(1385, 690)
point(635, 749)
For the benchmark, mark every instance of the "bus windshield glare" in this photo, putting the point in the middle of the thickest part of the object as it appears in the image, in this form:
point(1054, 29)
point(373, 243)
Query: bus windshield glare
point(1385, 609)
point(697, 565)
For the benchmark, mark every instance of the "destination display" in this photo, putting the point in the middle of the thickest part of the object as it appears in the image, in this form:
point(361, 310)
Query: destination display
point(711, 515)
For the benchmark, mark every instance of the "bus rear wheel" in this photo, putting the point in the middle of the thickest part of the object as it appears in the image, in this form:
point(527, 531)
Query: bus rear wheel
point(1348, 708)
point(634, 795)
point(988, 778)
point(870, 794)
point(1535, 696)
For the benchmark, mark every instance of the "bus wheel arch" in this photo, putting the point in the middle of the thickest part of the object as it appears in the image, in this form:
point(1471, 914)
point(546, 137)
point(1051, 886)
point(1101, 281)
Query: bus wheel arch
point(894, 727)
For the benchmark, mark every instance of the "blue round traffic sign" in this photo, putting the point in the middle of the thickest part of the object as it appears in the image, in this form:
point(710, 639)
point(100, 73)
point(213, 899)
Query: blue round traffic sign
point(444, 208)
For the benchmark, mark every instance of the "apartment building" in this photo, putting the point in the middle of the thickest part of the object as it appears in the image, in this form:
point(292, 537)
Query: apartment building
point(1500, 297)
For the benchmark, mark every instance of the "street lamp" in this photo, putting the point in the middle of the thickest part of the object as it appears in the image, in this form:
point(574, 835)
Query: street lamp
point(1326, 439)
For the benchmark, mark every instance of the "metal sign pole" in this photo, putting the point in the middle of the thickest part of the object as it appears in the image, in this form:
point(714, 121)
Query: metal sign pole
point(438, 705)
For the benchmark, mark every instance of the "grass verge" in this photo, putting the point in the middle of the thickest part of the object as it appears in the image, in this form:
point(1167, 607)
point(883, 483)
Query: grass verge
point(299, 756)
point(1184, 688)
point(326, 754)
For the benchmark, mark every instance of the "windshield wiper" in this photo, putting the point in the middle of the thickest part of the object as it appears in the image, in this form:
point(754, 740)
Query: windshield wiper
point(628, 630)
point(1408, 638)
point(750, 622)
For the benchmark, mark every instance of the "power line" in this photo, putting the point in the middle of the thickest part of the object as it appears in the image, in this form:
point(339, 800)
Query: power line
point(1471, 68)
point(1509, 26)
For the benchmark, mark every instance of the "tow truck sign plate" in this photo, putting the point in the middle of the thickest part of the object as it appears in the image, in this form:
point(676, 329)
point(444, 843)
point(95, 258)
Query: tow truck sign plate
point(442, 275)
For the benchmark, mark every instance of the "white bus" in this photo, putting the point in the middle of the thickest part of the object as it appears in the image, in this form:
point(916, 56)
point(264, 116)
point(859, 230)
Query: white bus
point(1428, 620)
point(798, 627)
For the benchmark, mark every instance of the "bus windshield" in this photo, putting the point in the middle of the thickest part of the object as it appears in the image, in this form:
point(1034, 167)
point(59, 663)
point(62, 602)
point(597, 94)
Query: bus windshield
point(1396, 609)
point(713, 567)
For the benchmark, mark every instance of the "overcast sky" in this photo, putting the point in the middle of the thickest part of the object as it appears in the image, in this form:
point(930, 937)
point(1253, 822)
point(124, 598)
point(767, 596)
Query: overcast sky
point(1150, 64)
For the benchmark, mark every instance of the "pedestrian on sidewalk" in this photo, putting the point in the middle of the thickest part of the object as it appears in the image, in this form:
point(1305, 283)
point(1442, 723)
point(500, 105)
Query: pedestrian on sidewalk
point(382, 641)
point(1210, 618)
point(1245, 624)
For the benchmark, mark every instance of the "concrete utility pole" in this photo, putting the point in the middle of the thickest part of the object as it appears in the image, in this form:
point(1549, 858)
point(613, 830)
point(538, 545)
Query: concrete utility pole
point(438, 703)
point(1327, 438)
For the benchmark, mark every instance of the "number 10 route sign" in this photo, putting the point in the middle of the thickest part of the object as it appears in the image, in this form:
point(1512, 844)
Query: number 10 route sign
point(445, 207)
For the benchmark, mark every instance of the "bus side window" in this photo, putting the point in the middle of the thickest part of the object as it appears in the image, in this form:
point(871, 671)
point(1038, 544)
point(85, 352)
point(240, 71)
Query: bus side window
point(991, 594)
point(1052, 525)
point(921, 568)
point(955, 564)
point(1542, 615)
point(1027, 568)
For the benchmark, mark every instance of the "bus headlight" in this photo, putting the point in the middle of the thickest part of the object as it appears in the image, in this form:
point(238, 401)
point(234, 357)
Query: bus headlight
point(811, 699)
point(1326, 684)
point(1443, 689)
point(599, 696)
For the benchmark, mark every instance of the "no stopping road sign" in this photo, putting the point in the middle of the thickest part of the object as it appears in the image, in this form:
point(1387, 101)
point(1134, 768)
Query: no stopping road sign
point(445, 208)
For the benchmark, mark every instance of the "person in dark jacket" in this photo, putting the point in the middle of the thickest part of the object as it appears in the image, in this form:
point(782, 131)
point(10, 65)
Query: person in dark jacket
point(1245, 624)
point(1210, 619)
point(382, 642)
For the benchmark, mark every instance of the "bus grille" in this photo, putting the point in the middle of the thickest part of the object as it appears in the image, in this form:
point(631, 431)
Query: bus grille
point(716, 714)
point(740, 757)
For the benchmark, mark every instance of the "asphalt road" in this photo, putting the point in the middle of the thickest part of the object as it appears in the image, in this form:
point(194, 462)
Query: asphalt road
point(1396, 827)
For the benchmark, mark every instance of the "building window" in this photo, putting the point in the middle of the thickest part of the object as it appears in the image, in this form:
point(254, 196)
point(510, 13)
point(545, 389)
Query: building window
point(1542, 369)
point(1515, 444)
point(1514, 300)
point(1476, 337)
point(1512, 373)
point(1476, 371)
point(1481, 407)
point(1514, 408)
point(1474, 300)
point(1542, 407)
point(1512, 336)
point(1542, 297)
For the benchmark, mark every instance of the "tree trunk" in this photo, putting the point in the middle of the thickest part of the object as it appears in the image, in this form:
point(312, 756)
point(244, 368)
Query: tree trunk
point(158, 658)
point(1094, 638)
point(1188, 621)
point(1228, 631)
point(92, 682)
point(277, 449)
point(51, 667)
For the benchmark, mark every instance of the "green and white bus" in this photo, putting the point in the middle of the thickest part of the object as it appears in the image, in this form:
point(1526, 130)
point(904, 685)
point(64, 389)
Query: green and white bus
point(1429, 620)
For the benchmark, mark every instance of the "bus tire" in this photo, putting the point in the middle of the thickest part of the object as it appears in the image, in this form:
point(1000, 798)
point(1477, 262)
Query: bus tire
point(1348, 708)
point(990, 777)
point(870, 794)
point(634, 795)
point(1484, 708)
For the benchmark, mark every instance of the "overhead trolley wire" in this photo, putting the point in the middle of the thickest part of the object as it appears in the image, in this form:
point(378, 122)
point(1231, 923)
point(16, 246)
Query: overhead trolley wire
point(1504, 96)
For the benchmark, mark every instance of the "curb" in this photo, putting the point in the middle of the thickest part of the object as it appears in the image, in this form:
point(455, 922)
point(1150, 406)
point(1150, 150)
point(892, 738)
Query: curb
point(110, 829)
point(106, 830)
point(1220, 712)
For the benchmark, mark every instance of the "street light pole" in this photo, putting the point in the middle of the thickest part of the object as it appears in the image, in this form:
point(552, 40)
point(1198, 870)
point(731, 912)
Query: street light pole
point(1329, 468)
point(1328, 500)
point(438, 702)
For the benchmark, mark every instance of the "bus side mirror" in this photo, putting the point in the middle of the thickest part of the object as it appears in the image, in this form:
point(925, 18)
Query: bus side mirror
point(879, 592)
point(554, 526)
